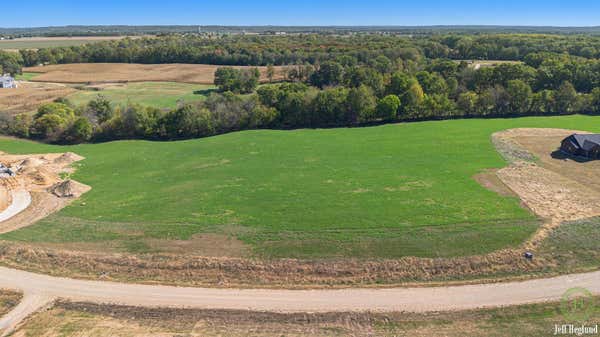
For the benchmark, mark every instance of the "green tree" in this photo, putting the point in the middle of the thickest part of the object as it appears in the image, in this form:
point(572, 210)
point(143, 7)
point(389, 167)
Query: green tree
point(388, 107)
point(361, 104)
point(100, 109)
point(565, 98)
point(520, 96)
point(80, 131)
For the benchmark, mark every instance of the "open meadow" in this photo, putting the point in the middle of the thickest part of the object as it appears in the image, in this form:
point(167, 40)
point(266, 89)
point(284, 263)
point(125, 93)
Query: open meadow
point(163, 95)
point(388, 191)
point(125, 72)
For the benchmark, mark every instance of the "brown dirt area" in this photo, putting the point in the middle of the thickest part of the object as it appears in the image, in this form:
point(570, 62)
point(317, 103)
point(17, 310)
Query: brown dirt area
point(40, 175)
point(554, 187)
point(84, 319)
point(29, 96)
point(125, 72)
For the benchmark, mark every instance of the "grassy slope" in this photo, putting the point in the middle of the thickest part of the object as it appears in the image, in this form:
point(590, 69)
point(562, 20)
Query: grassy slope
point(388, 191)
point(155, 94)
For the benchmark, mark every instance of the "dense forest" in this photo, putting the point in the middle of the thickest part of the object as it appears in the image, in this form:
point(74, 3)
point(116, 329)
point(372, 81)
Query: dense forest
point(314, 49)
point(330, 81)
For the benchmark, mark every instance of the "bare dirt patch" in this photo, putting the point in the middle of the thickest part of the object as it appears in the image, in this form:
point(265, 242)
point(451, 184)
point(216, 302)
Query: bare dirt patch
point(554, 187)
point(40, 174)
point(125, 72)
point(29, 96)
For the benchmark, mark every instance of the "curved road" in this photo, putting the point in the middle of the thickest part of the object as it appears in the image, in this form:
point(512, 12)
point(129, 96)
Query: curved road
point(40, 290)
point(354, 299)
point(21, 199)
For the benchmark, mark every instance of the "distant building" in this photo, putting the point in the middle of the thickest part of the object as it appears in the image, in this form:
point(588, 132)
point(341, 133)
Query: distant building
point(582, 145)
point(7, 82)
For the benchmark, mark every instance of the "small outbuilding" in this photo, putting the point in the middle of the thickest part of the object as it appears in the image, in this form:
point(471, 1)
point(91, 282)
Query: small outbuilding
point(582, 145)
point(7, 81)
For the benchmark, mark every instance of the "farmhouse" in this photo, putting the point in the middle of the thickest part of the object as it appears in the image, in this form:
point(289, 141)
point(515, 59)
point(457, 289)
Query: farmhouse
point(582, 145)
point(7, 82)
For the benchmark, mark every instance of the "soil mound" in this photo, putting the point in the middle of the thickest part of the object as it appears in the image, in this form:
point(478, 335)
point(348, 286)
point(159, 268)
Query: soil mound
point(69, 189)
point(31, 162)
point(40, 176)
point(68, 158)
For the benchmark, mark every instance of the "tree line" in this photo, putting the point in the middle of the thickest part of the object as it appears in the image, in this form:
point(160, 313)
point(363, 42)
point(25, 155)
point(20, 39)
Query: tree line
point(345, 81)
point(313, 48)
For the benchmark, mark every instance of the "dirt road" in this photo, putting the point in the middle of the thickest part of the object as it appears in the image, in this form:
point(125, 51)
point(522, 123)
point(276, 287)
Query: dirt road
point(21, 199)
point(346, 300)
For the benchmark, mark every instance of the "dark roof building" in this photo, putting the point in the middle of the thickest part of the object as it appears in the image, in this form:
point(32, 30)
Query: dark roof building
point(582, 145)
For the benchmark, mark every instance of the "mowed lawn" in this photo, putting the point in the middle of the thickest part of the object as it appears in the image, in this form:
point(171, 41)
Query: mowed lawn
point(164, 95)
point(386, 191)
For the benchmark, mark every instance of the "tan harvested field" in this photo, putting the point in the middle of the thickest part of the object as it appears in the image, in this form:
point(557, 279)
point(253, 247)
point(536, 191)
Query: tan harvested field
point(125, 72)
point(29, 96)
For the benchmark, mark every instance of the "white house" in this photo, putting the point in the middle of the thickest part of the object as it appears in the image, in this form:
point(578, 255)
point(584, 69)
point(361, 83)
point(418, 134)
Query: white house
point(7, 82)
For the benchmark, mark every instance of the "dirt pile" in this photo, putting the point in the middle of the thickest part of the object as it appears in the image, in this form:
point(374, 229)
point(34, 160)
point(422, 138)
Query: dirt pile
point(68, 158)
point(69, 189)
point(40, 175)
point(31, 162)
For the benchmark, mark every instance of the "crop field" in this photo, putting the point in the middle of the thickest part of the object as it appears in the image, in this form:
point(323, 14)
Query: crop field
point(48, 42)
point(388, 191)
point(29, 96)
point(164, 95)
point(125, 72)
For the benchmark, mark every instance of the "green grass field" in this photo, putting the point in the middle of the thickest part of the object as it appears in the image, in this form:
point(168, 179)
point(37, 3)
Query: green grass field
point(165, 95)
point(387, 191)
point(26, 76)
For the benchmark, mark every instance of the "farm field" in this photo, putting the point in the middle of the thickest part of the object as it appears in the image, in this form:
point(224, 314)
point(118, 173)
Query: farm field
point(164, 95)
point(125, 72)
point(29, 96)
point(364, 192)
point(48, 42)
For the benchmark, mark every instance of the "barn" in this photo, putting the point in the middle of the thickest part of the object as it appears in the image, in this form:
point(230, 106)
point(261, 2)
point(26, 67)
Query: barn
point(7, 82)
point(582, 145)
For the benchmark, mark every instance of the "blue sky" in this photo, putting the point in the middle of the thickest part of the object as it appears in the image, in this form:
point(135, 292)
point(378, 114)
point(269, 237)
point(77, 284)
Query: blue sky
point(301, 12)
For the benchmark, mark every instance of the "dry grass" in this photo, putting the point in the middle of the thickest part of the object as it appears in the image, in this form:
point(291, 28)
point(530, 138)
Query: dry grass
point(29, 96)
point(8, 300)
point(85, 319)
point(175, 269)
point(124, 72)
